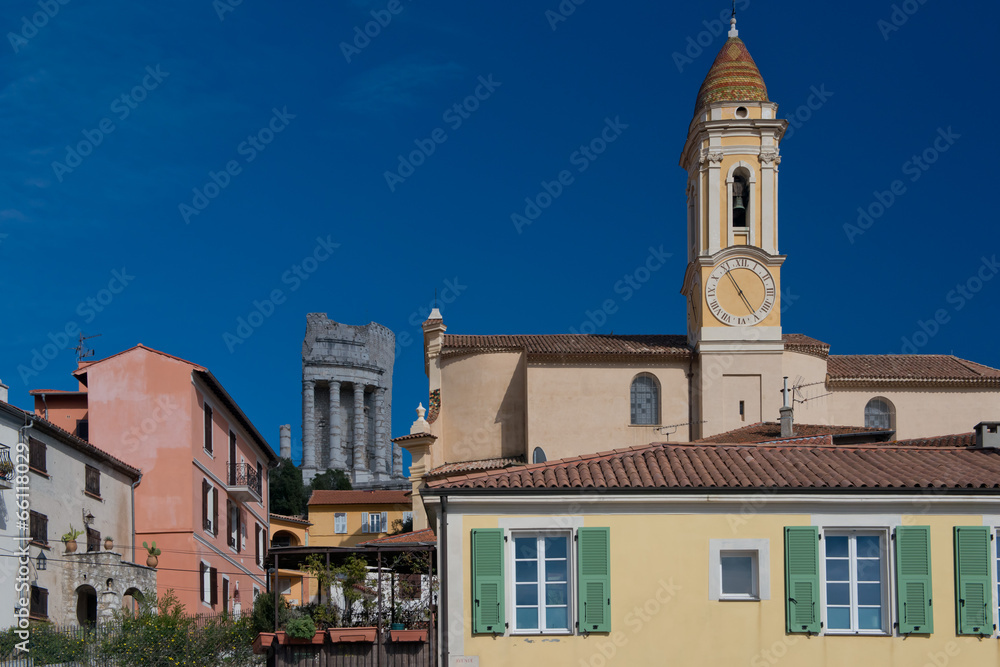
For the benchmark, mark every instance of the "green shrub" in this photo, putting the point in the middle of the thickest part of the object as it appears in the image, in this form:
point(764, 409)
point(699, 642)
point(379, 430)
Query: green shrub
point(262, 617)
point(301, 628)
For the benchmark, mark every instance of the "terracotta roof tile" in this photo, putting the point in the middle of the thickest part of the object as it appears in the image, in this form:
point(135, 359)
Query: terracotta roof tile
point(291, 519)
point(768, 431)
point(416, 537)
point(583, 344)
point(472, 466)
point(904, 466)
point(378, 497)
point(733, 77)
point(908, 368)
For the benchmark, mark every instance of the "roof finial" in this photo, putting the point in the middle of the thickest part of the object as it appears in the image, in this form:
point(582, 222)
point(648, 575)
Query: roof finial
point(733, 32)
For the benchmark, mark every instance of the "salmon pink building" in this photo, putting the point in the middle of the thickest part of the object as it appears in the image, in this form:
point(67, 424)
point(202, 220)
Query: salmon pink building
point(202, 496)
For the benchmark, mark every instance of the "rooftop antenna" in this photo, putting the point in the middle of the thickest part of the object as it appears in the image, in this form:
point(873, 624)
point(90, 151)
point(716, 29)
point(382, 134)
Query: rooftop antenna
point(82, 351)
point(733, 32)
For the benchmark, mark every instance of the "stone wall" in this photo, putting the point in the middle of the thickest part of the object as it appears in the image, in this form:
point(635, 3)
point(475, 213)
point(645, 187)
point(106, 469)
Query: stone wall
point(108, 574)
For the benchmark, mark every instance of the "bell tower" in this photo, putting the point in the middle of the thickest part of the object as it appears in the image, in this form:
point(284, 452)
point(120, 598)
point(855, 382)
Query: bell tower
point(732, 281)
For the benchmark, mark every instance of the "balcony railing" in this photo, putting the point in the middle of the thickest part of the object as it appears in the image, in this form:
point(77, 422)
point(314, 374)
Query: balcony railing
point(6, 468)
point(244, 481)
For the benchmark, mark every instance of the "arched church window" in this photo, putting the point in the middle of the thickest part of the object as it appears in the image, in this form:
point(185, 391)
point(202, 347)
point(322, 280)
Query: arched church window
point(741, 198)
point(538, 456)
point(645, 401)
point(880, 413)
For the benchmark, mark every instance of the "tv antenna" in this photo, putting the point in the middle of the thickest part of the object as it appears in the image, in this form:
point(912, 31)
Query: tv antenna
point(82, 351)
point(662, 430)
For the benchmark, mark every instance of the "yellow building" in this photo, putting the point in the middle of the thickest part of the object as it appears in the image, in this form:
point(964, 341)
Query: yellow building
point(347, 518)
point(292, 531)
point(794, 552)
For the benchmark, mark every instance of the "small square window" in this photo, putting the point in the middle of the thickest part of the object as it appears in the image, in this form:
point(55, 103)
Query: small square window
point(739, 575)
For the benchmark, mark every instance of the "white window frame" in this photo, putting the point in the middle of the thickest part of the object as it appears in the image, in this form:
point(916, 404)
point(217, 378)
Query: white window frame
point(206, 577)
point(754, 593)
point(210, 506)
point(571, 580)
point(340, 523)
point(759, 547)
point(888, 579)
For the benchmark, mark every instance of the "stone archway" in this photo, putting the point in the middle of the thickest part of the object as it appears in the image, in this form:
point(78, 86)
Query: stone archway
point(132, 599)
point(86, 605)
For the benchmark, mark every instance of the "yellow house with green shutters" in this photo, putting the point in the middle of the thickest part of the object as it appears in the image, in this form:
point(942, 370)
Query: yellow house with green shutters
point(790, 552)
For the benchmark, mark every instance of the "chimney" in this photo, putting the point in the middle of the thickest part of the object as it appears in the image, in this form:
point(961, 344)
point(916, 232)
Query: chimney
point(3, 392)
point(285, 451)
point(787, 426)
point(988, 435)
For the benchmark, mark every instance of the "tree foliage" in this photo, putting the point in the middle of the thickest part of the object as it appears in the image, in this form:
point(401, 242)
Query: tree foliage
point(287, 493)
point(331, 480)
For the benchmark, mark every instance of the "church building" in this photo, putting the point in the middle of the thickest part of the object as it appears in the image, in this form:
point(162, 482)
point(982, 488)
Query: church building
point(499, 400)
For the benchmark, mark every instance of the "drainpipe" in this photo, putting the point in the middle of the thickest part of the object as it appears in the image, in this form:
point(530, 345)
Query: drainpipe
point(444, 626)
point(45, 403)
point(135, 484)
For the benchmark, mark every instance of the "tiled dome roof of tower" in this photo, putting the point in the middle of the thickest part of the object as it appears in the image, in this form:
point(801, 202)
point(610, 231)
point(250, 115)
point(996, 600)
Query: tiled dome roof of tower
point(734, 77)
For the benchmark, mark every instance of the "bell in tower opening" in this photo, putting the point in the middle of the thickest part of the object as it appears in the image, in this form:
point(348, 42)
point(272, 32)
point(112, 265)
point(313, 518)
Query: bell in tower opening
point(741, 199)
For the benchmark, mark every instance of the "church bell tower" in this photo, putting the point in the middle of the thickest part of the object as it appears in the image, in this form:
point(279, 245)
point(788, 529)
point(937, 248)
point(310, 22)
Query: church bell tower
point(732, 282)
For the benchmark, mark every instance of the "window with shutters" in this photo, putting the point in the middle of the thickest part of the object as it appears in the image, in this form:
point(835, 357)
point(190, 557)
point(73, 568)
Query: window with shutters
point(36, 456)
point(973, 580)
point(855, 578)
point(93, 539)
point(340, 523)
point(204, 582)
point(93, 481)
point(208, 428)
point(39, 605)
point(39, 528)
point(538, 582)
point(541, 582)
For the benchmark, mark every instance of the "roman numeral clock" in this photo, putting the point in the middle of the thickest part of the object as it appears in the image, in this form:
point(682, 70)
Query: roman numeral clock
point(740, 292)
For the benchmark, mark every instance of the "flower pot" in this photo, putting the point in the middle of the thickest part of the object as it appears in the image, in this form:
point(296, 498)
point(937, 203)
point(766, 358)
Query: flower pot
point(397, 626)
point(283, 638)
point(152, 561)
point(108, 544)
point(70, 546)
point(408, 635)
point(366, 634)
point(262, 642)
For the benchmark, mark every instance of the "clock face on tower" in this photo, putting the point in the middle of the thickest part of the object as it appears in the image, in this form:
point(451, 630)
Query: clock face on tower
point(740, 292)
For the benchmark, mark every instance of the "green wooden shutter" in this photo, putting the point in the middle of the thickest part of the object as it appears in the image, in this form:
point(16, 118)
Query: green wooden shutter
point(972, 580)
point(913, 579)
point(594, 579)
point(802, 590)
point(487, 581)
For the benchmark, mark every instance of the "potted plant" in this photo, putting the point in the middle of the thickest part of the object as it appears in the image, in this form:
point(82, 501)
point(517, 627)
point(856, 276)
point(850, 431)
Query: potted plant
point(109, 543)
point(301, 630)
point(152, 559)
point(363, 634)
point(69, 539)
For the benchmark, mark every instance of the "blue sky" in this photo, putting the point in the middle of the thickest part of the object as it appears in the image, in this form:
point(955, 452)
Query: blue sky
point(204, 150)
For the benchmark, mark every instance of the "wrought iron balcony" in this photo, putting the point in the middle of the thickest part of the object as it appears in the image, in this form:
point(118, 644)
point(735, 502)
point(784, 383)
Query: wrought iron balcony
point(6, 468)
point(243, 482)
